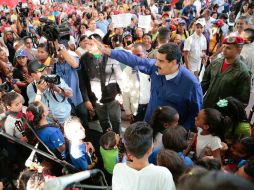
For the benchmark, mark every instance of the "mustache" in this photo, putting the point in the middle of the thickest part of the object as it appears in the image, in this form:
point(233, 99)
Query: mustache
point(157, 68)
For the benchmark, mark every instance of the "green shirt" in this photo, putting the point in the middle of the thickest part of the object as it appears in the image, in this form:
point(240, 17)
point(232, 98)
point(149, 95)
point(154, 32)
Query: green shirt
point(243, 129)
point(109, 158)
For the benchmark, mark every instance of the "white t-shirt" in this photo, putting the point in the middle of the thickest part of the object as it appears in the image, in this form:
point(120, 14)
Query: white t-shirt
point(206, 141)
point(149, 178)
point(9, 125)
point(195, 45)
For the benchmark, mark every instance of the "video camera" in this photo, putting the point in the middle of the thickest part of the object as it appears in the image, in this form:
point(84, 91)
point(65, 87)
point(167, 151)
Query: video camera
point(52, 79)
point(54, 32)
point(6, 87)
point(23, 10)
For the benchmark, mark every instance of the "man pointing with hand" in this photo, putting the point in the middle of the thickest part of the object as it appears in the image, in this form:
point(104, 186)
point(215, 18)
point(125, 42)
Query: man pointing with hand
point(171, 83)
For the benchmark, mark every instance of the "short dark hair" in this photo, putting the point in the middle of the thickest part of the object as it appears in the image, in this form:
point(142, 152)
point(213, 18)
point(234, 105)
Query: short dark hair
point(44, 46)
point(26, 38)
point(215, 180)
point(163, 35)
point(250, 33)
point(244, 18)
point(96, 36)
point(172, 161)
point(162, 115)
point(172, 52)
point(118, 39)
point(138, 138)
point(108, 140)
point(248, 144)
point(209, 164)
point(175, 138)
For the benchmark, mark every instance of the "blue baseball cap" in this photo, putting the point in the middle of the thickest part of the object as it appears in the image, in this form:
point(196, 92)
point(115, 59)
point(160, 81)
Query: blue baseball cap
point(126, 33)
point(20, 53)
point(181, 21)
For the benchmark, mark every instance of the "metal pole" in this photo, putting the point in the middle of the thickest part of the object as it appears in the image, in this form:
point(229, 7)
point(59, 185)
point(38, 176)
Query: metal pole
point(62, 162)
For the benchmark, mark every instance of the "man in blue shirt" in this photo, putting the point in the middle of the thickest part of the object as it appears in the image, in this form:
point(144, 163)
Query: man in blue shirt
point(171, 83)
point(188, 13)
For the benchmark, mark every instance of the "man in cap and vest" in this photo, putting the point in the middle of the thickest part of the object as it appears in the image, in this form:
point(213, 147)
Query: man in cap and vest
point(227, 76)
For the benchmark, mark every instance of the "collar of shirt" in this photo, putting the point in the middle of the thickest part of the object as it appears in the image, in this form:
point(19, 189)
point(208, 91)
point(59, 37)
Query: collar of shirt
point(171, 76)
point(197, 36)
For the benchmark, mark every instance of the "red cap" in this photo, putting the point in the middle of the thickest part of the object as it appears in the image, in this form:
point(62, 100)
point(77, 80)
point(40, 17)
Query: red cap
point(219, 22)
point(165, 14)
point(237, 40)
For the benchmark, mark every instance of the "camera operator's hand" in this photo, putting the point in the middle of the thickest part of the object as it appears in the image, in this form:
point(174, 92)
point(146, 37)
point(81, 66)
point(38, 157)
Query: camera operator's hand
point(42, 86)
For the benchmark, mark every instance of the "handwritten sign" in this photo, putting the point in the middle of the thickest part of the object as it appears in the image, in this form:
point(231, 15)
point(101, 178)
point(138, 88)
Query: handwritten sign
point(121, 20)
point(144, 21)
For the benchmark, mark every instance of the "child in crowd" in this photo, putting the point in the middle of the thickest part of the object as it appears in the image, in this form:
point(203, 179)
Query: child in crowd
point(163, 118)
point(173, 139)
point(81, 153)
point(247, 170)
point(109, 151)
point(139, 174)
point(171, 160)
point(50, 134)
point(14, 126)
point(14, 104)
point(239, 152)
point(234, 109)
point(176, 139)
point(209, 164)
point(211, 126)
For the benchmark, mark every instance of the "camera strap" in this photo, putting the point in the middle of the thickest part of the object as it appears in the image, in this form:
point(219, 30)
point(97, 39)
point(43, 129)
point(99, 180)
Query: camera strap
point(54, 95)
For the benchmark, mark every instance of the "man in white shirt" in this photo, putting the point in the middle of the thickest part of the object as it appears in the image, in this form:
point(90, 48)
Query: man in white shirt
point(136, 93)
point(195, 47)
point(93, 30)
point(138, 174)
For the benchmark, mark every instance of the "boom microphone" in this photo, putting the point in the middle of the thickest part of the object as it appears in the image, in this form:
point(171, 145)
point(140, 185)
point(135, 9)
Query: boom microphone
point(31, 157)
point(60, 183)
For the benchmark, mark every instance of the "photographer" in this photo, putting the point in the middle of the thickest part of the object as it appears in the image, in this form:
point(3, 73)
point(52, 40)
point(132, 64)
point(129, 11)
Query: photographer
point(52, 91)
point(66, 67)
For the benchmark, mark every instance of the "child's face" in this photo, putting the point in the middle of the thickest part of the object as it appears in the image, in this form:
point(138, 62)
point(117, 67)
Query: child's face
point(237, 152)
point(16, 105)
point(77, 132)
point(200, 119)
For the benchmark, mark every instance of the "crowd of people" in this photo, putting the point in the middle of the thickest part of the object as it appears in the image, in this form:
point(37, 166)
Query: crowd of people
point(70, 77)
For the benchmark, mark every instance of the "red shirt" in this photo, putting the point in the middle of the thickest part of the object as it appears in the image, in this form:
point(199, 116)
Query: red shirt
point(225, 66)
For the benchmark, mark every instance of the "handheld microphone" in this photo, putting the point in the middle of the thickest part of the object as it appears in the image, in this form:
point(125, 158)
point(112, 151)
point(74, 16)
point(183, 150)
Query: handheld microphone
point(60, 183)
point(31, 157)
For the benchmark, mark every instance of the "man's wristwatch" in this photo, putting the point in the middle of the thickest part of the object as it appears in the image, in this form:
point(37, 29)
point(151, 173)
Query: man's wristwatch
point(61, 48)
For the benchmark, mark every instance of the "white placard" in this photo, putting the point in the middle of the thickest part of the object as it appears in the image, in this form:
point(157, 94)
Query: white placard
point(144, 21)
point(121, 20)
